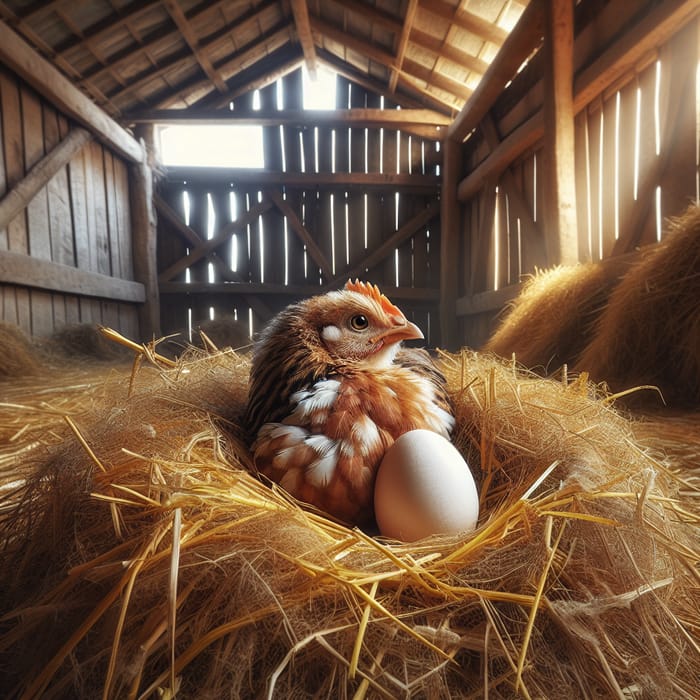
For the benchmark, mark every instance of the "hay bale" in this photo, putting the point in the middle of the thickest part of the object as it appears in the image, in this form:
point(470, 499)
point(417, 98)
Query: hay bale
point(78, 342)
point(17, 355)
point(142, 557)
point(548, 324)
point(649, 333)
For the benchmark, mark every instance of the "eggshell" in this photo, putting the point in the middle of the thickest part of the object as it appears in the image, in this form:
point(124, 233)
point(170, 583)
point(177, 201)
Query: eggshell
point(424, 487)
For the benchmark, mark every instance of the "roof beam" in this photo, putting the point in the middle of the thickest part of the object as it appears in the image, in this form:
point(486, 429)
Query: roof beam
point(300, 11)
point(521, 42)
point(178, 16)
point(403, 42)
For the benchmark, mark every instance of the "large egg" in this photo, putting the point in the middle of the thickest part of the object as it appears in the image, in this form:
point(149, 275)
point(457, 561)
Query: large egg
point(424, 487)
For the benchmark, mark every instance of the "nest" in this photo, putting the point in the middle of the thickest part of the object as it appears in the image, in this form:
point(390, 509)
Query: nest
point(141, 559)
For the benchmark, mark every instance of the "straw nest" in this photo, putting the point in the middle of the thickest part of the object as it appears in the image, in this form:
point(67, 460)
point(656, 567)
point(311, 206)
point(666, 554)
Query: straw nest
point(140, 559)
point(649, 332)
point(548, 323)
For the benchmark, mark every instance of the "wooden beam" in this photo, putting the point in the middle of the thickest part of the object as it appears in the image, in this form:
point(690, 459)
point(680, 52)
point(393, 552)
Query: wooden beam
point(408, 20)
point(307, 239)
point(434, 78)
point(19, 57)
point(416, 294)
point(300, 11)
point(521, 42)
point(559, 183)
point(174, 219)
point(25, 271)
point(221, 237)
point(421, 219)
point(450, 235)
point(145, 233)
point(374, 15)
point(426, 123)
point(17, 199)
point(178, 16)
point(265, 178)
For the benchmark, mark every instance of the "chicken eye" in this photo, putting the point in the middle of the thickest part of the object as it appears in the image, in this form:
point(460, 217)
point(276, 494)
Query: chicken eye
point(359, 322)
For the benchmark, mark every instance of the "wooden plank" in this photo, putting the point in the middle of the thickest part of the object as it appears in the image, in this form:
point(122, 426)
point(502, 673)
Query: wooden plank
point(17, 199)
point(100, 237)
point(111, 219)
point(17, 55)
point(38, 206)
point(58, 192)
point(487, 301)
point(245, 177)
point(560, 222)
point(20, 269)
point(124, 234)
point(79, 206)
point(520, 43)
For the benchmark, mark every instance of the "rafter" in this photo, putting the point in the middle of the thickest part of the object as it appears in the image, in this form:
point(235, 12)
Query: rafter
point(403, 42)
point(188, 34)
point(300, 11)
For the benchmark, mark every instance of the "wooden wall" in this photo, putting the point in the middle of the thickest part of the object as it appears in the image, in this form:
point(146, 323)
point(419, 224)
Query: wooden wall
point(67, 257)
point(636, 157)
point(332, 203)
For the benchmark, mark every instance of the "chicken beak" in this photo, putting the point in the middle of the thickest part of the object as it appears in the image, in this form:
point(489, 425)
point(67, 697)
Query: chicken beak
point(406, 331)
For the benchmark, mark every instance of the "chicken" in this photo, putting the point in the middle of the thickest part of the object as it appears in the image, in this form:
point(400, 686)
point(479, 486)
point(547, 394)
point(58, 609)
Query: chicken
point(331, 388)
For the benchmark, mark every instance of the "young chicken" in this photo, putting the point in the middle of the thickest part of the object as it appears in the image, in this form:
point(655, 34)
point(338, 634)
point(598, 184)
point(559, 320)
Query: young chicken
point(331, 388)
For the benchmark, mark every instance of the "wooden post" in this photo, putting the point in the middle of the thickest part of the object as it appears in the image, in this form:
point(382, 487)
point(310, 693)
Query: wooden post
point(450, 231)
point(559, 186)
point(143, 225)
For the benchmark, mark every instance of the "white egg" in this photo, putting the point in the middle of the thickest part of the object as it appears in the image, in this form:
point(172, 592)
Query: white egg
point(424, 487)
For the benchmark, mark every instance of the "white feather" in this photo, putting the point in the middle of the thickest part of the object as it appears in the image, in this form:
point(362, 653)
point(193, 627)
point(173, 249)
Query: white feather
point(320, 471)
point(319, 398)
point(366, 434)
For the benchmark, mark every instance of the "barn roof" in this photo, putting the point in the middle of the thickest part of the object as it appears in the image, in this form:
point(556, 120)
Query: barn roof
point(132, 57)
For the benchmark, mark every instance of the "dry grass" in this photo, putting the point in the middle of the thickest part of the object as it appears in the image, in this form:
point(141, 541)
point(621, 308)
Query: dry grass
point(549, 322)
point(140, 558)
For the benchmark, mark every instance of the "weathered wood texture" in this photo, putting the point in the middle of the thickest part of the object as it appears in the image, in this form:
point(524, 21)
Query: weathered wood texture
point(349, 201)
point(636, 111)
point(66, 246)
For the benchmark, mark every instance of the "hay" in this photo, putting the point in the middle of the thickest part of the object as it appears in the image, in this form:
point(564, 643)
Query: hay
point(17, 356)
point(547, 325)
point(650, 331)
point(141, 558)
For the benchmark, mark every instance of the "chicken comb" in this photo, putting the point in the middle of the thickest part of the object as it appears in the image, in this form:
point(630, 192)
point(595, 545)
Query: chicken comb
point(372, 291)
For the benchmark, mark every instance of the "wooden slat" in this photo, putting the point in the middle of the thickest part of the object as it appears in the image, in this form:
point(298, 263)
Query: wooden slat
point(39, 175)
point(16, 268)
point(470, 21)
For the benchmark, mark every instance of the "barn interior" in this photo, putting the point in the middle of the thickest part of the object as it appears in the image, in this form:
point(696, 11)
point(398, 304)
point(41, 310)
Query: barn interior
point(521, 177)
